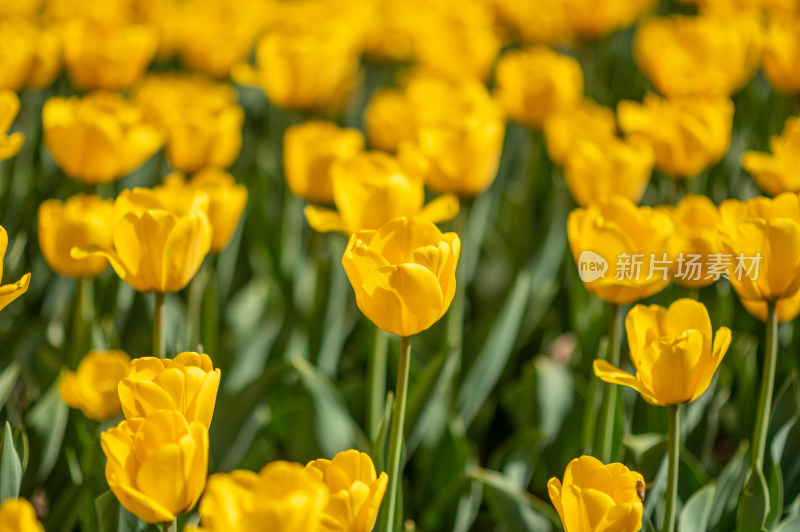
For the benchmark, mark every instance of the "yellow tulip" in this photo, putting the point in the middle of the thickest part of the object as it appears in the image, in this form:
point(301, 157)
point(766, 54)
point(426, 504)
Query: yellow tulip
point(694, 240)
point(781, 60)
point(586, 120)
point(393, 30)
point(605, 166)
point(98, 138)
point(672, 350)
point(784, 205)
point(155, 249)
point(282, 497)
point(93, 387)
point(10, 292)
point(535, 82)
point(629, 241)
point(699, 55)
point(598, 498)
point(18, 515)
point(81, 220)
point(200, 119)
point(310, 150)
point(590, 19)
point(387, 120)
point(156, 466)
point(106, 56)
point(374, 187)
point(780, 171)
point(30, 56)
point(187, 384)
point(9, 107)
point(403, 274)
point(226, 200)
point(542, 22)
point(688, 134)
point(356, 491)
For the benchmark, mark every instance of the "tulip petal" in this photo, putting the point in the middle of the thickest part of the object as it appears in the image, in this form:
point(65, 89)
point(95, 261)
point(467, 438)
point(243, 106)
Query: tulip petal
point(325, 220)
point(441, 209)
point(722, 340)
point(144, 507)
point(10, 292)
point(609, 373)
point(643, 326)
point(554, 491)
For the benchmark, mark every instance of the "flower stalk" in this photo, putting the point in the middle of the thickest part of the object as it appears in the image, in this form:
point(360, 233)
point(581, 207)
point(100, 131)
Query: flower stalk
point(673, 459)
point(767, 387)
point(159, 338)
point(608, 406)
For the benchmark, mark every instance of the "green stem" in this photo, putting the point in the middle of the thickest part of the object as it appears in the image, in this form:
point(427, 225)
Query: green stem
point(608, 406)
point(377, 383)
point(193, 306)
point(395, 472)
point(84, 315)
point(767, 386)
point(170, 526)
point(673, 457)
point(159, 339)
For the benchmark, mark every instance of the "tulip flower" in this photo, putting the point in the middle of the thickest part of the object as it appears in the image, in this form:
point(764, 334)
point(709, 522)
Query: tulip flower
point(688, 134)
point(10, 292)
point(283, 497)
point(387, 120)
point(187, 384)
point(780, 171)
point(356, 491)
point(93, 387)
point(629, 241)
point(586, 120)
point(99, 138)
point(199, 118)
point(403, 273)
point(596, 497)
point(9, 107)
point(30, 56)
point(82, 220)
point(535, 82)
point(694, 241)
point(18, 515)
point(226, 200)
point(607, 166)
point(393, 30)
point(309, 151)
point(543, 22)
point(593, 20)
point(156, 466)
point(781, 60)
point(106, 56)
point(699, 55)
point(372, 188)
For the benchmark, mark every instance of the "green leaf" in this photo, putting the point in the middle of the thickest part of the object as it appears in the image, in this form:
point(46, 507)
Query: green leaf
point(48, 421)
point(7, 381)
point(516, 508)
point(10, 467)
point(754, 504)
point(775, 482)
point(729, 485)
point(697, 510)
point(790, 525)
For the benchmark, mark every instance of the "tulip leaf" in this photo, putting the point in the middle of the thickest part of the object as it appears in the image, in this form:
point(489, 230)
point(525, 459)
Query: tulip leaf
point(112, 517)
point(729, 485)
point(8, 378)
point(48, 421)
point(697, 510)
point(790, 525)
point(754, 503)
point(10, 467)
point(428, 403)
point(493, 357)
point(514, 507)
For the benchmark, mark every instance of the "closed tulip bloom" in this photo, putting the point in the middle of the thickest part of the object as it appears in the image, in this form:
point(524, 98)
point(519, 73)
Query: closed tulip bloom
point(403, 274)
point(586, 120)
point(226, 200)
point(10, 292)
point(187, 384)
point(9, 107)
point(309, 151)
point(542, 22)
point(780, 171)
point(387, 120)
point(93, 387)
point(589, 19)
point(535, 82)
point(699, 55)
point(18, 515)
point(282, 497)
point(155, 249)
point(30, 56)
point(617, 230)
point(356, 491)
point(156, 466)
point(608, 166)
point(784, 205)
point(199, 117)
point(374, 187)
point(781, 60)
point(696, 221)
point(98, 138)
point(688, 134)
point(106, 56)
point(81, 220)
point(672, 350)
point(598, 498)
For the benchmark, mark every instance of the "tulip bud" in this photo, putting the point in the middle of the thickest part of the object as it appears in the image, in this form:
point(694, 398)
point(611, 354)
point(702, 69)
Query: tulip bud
point(18, 515)
point(696, 220)
point(781, 61)
point(93, 387)
point(30, 57)
point(567, 127)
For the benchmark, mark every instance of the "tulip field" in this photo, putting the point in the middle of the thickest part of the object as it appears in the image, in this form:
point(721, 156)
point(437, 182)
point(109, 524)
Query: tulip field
point(399, 265)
